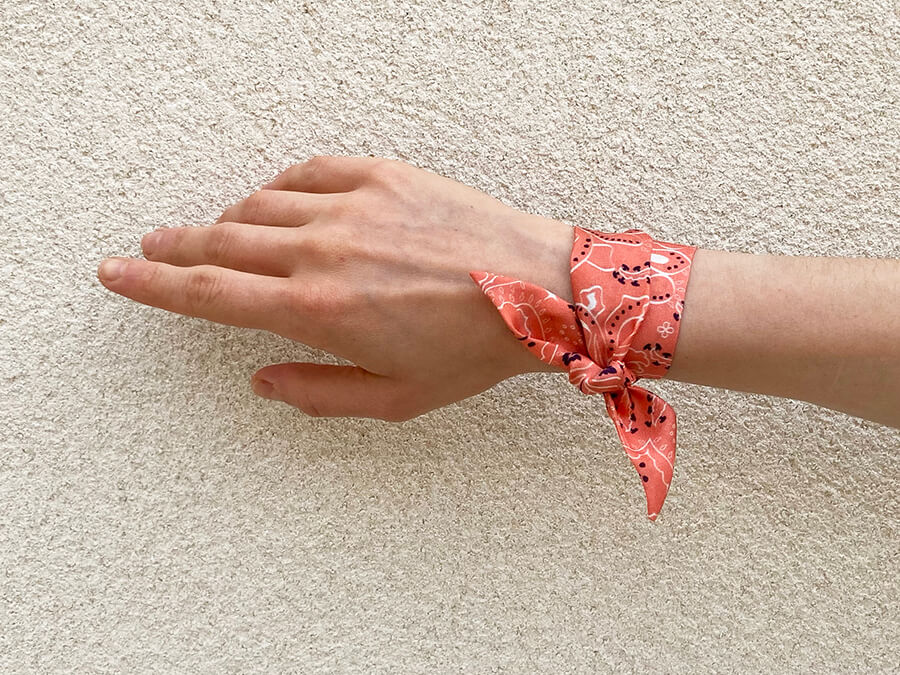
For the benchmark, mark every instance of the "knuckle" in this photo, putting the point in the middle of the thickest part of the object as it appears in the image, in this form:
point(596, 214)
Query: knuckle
point(202, 288)
point(299, 174)
point(317, 161)
point(340, 210)
point(347, 214)
point(313, 299)
point(150, 276)
point(252, 206)
point(218, 241)
point(174, 238)
point(386, 169)
point(316, 314)
point(310, 247)
point(393, 177)
point(317, 164)
point(307, 405)
point(290, 174)
point(319, 251)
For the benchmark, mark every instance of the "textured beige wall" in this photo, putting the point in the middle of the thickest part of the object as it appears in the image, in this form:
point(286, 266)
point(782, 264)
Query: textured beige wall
point(156, 516)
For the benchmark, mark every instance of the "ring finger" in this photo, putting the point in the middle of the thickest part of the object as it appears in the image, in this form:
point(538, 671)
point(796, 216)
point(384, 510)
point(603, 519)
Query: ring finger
point(238, 246)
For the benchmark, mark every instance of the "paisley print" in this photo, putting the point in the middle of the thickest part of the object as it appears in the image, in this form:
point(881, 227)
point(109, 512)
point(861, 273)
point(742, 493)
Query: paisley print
point(628, 292)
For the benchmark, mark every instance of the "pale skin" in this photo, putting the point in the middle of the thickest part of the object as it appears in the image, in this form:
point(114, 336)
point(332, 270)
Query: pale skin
point(368, 258)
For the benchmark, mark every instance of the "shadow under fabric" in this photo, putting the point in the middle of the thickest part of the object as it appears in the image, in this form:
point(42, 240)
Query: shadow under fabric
point(628, 292)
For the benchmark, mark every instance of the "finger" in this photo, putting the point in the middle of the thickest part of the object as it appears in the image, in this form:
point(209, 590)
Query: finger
point(326, 174)
point(256, 249)
point(323, 390)
point(214, 293)
point(278, 208)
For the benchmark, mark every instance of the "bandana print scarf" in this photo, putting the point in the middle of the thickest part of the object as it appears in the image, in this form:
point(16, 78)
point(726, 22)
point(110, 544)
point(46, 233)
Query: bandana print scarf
point(628, 291)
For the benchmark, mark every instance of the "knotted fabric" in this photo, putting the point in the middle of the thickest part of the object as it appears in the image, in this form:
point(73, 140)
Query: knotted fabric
point(628, 292)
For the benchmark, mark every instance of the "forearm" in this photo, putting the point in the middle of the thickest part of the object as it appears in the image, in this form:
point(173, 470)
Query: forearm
point(822, 330)
point(817, 329)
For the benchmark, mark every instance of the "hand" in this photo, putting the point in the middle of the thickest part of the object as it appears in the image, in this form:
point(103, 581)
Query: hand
point(367, 258)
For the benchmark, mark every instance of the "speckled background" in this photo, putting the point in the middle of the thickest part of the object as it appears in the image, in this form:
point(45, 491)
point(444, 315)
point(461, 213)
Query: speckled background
point(158, 517)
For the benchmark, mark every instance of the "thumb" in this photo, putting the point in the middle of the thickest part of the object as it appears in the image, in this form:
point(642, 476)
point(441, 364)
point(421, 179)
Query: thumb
point(323, 390)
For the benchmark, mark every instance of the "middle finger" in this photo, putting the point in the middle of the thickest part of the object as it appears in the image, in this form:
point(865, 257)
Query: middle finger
point(247, 248)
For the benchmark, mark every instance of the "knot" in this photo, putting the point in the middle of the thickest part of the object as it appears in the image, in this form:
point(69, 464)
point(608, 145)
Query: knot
point(592, 378)
point(628, 289)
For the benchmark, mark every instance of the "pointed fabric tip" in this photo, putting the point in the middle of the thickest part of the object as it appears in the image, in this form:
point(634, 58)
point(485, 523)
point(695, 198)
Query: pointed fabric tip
point(646, 426)
point(549, 328)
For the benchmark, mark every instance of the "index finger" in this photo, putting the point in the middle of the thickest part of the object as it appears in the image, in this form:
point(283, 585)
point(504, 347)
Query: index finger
point(215, 293)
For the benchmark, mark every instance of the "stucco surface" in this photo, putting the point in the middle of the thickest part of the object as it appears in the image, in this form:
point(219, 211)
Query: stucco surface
point(158, 517)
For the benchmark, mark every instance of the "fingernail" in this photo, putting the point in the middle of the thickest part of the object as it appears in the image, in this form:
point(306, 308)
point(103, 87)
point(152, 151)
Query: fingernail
point(111, 269)
point(265, 389)
point(150, 242)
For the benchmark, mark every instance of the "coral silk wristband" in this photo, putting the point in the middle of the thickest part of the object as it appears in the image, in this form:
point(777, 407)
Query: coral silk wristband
point(628, 291)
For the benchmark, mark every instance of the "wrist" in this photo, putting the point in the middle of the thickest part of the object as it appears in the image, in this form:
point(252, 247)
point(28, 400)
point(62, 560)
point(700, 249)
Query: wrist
point(546, 250)
point(544, 247)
